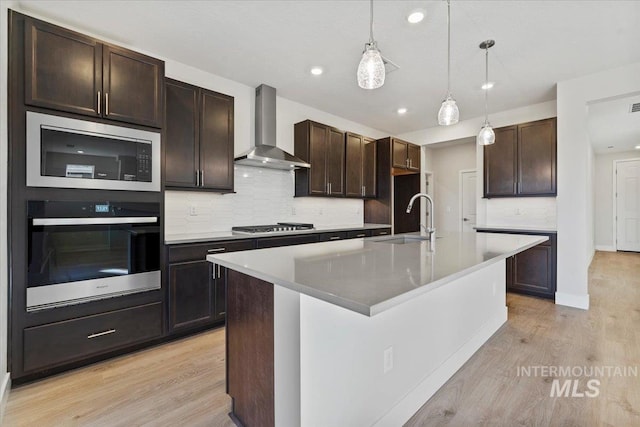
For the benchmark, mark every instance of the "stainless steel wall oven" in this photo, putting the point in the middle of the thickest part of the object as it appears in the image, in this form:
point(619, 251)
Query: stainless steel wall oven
point(84, 251)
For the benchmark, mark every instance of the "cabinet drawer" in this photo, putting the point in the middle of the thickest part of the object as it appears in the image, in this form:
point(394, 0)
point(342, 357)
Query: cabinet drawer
point(354, 234)
point(57, 343)
point(272, 242)
point(194, 252)
point(336, 235)
point(381, 232)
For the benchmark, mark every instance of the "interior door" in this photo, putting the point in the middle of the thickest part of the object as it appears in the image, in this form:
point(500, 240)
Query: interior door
point(468, 200)
point(628, 205)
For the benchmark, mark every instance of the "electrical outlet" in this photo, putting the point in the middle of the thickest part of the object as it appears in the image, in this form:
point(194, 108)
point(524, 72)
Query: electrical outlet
point(192, 210)
point(293, 210)
point(388, 360)
point(320, 211)
point(448, 209)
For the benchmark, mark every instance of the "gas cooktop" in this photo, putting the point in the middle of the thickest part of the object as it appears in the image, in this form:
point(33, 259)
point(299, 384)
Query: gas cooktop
point(281, 227)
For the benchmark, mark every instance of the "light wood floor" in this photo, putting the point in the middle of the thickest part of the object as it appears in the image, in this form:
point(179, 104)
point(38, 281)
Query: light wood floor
point(182, 383)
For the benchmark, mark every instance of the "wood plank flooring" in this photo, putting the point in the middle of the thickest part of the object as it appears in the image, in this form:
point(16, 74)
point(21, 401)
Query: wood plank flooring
point(182, 383)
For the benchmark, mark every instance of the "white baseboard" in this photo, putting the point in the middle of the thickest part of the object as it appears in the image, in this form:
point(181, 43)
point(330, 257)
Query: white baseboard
point(417, 397)
point(5, 387)
point(570, 300)
point(605, 248)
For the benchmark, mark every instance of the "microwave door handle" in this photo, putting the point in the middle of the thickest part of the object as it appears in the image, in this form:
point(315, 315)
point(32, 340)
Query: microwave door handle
point(96, 221)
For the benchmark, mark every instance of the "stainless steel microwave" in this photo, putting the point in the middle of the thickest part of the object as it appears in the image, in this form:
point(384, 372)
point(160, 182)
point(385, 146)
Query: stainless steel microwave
point(71, 153)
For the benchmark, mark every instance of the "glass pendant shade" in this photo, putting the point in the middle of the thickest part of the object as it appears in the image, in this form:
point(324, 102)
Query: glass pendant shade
point(486, 136)
point(371, 68)
point(449, 113)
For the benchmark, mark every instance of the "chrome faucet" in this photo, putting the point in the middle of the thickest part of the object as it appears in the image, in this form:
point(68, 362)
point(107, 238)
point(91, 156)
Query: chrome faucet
point(431, 229)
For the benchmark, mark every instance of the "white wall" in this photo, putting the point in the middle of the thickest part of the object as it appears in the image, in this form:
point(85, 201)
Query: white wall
point(574, 224)
point(263, 196)
point(4, 293)
point(446, 164)
point(604, 200)
point(471, 127)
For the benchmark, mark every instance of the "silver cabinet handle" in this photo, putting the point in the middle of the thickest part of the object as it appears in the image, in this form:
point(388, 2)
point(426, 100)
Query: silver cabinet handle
point(214, 250)
point(382, 233)
point(100, 334)
point(95, 221)
point(99, 102)
point(334, 238)
point(198, 178)
point(327, 188)
point(106, 103)
point(201, 177)
point(361, 235)
point(330, 188)
point(218, 268)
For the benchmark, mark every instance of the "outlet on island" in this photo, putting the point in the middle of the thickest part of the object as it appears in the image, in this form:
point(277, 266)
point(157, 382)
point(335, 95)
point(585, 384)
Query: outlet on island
point(388, 360)
point(192, 210)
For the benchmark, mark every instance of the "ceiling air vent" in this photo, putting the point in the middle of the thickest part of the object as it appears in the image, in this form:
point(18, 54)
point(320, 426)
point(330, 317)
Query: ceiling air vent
point(635, 108)
point(389, 65)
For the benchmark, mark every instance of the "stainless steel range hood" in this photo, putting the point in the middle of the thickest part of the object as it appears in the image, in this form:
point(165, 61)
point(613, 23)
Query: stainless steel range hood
point(265, 154)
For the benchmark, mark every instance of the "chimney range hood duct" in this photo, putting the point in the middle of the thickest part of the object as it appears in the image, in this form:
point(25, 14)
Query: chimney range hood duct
point(265, 154)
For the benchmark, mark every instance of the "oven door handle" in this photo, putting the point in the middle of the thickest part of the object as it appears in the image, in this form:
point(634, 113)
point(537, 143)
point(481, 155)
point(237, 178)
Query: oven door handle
point(96, 221)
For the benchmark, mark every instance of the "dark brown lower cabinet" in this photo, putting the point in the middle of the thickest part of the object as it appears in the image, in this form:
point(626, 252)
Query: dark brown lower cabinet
point(380, 232)
point(64, 342)
point(533, 272)
point(335, 235)
point(196, 286)
point(192, 294)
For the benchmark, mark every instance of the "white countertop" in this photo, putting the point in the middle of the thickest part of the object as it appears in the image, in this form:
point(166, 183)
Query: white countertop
point(370, 275)
point(174, 239)
point(516, 228)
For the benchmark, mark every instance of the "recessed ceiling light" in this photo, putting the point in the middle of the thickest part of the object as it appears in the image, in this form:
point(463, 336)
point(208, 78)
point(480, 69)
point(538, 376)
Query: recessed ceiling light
point(402, 110)
point(637, 147)
point(416, 16)
point(316, 71)
point(487, 85)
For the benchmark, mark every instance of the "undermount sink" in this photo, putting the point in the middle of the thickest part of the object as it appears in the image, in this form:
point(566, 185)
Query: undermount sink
point(401, 240)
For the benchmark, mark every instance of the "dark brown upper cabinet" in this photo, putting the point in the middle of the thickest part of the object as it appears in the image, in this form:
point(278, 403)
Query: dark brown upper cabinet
point(522, 161)
point(360, 166)
point(537, 158)
point(323, 147)
point(405, 156)
point(500, 160)
point(199, 138)
point(68, 71)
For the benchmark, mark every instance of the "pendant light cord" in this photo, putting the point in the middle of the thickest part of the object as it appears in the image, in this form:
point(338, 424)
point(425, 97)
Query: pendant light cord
point(371, 23)
point(448, 48)
point(486, 83)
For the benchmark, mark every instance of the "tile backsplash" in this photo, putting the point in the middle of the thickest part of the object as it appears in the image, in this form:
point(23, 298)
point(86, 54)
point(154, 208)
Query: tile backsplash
point(523, 211)
point(263, 196)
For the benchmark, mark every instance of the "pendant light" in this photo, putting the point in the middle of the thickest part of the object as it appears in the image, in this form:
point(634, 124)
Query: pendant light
point(371, 68)
point(486, 136)
point(449, 113)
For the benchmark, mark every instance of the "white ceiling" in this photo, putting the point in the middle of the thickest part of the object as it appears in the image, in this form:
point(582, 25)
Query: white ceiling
point(538, 43)
point(611, 124)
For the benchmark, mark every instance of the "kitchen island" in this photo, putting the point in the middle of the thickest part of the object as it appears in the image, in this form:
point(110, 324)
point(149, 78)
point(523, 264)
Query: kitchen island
point(360, 332)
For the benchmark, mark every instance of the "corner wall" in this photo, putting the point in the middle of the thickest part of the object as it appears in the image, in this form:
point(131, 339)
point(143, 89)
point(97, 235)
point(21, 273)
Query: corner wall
point(575, 225)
